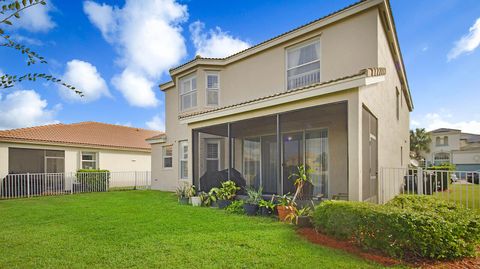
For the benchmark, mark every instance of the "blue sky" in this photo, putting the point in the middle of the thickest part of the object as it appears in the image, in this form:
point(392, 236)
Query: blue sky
point(118, 52)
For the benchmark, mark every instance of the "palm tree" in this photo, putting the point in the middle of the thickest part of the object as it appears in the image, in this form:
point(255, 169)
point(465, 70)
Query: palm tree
point(419, 142)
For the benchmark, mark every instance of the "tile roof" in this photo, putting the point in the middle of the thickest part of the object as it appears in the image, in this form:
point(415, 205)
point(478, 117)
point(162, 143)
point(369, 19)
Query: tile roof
point(88, 133)
point(443, 130)
point(368, 72)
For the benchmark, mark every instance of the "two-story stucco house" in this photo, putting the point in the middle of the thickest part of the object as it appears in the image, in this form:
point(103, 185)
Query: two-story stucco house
point(331, 94)
point(454, 146)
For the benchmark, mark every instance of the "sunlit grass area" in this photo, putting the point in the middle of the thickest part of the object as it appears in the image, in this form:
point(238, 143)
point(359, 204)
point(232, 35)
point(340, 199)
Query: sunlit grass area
point(148, 229)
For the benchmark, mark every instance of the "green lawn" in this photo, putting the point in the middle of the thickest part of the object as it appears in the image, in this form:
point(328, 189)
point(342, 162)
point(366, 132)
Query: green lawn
point(149, 229)
point(466, 194)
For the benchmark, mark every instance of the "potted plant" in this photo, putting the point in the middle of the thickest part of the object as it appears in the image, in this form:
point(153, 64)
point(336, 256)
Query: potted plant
point(266, 207)
point(182, 194)
point(251, 204)
point(285, 207)
point(208, 198)
point(301, 217)
point(225, 193)
point(194, 199)
point(301, 177)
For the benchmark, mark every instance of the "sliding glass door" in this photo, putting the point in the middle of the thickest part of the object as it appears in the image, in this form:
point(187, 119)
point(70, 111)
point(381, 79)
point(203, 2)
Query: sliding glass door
point(309, 147)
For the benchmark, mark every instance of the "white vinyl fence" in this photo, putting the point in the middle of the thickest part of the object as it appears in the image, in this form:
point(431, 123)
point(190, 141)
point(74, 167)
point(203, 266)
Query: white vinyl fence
point(458, 186)
point(45, 184)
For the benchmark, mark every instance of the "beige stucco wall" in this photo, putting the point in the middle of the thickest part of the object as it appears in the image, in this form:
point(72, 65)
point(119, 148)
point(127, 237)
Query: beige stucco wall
point(380, 99)
point(347, 46)
point(466, 157)
point(113, 160)
point(453, 144)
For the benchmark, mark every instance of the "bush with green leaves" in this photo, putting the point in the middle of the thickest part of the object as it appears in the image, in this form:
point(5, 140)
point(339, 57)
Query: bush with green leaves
point(408, 226)
point(227, 191)
point(93, 179)
point(236, 207)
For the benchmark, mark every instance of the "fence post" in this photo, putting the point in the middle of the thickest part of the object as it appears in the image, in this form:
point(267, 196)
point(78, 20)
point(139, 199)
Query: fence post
point(71, 183)
point(28, 184)
point(420, 181)
point(135, 186)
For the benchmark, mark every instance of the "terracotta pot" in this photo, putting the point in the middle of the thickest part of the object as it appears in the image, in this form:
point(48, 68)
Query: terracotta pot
point(284, 211)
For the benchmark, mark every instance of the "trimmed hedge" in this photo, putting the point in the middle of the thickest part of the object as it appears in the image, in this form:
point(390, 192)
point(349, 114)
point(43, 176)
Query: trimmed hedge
point(408, 226)
point(92, 180)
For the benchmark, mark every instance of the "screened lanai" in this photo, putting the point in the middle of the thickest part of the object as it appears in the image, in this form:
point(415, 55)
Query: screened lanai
point(265, 151)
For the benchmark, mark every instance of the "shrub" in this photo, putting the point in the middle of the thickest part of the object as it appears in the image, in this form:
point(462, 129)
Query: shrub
point(407, 226)
point(93, 180)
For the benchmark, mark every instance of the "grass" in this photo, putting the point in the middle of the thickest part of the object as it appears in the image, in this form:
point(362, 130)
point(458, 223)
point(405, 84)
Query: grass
point(148, 229)
point(466, 194)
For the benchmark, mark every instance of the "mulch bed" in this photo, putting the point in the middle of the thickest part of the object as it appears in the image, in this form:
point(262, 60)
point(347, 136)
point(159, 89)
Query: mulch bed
point(311, 235)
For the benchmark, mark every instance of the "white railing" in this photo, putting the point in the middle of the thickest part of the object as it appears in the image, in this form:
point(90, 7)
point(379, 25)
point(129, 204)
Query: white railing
point(457, 186)
point(46, 184)
point(303, 79)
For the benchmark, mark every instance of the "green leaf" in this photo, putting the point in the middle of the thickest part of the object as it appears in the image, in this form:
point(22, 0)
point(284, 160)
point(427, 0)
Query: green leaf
point(7, 22)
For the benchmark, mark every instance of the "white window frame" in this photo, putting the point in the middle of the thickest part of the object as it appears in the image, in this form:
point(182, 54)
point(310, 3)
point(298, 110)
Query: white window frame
point(182, 158)
point(212, 141)
point(95, 159)
point(217, 74)
point(297, 47)
point(191, 92)
point(164, 156)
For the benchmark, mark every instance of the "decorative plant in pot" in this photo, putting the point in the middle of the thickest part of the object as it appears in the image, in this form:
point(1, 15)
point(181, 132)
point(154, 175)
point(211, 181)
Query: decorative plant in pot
point(194, 198)
point(301, 217)
point(266, 207)
point(226, 193)
point(285, 206)
point(251, 204)
point(207, 199)
point(182, 194)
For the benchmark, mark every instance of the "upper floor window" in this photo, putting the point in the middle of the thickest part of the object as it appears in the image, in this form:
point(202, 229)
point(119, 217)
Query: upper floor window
point(303, 65)
point(188, 92)
point(213, 88)
point(89, 160)
point(439, 141)
point(167, 156)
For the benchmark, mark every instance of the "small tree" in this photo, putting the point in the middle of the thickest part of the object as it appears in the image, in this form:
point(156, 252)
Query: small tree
point(10, 11)
point(419, 141)
point(301, 177)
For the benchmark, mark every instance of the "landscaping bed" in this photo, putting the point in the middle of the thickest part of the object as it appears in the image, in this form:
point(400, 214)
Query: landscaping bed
point(413, 228)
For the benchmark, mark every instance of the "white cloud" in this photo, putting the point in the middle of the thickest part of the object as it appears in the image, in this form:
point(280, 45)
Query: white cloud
point(148, 38)
point(27, 40)
point(156, 123)
point(432, 121)
point(216, 43)
point(85, 77)
point(468, 43)
point(35, 19)
point(25, 108)
point(136, 89)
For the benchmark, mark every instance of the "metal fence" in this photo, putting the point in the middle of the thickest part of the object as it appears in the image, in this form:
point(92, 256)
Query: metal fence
point(457, 186)
point(46, 184)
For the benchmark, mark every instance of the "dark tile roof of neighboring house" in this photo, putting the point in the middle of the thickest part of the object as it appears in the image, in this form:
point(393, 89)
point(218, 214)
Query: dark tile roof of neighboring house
point(88, 133)
point(368, 72)
point(470, 138)
point(444, 130)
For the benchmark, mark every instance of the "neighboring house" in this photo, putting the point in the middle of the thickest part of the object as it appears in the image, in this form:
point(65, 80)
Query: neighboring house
point(66, 148)
point(331, 94)
point(453, 146)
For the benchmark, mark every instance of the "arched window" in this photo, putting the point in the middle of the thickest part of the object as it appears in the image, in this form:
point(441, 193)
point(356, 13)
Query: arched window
point(445, 140)
point(438, 141)
point(441, 158)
